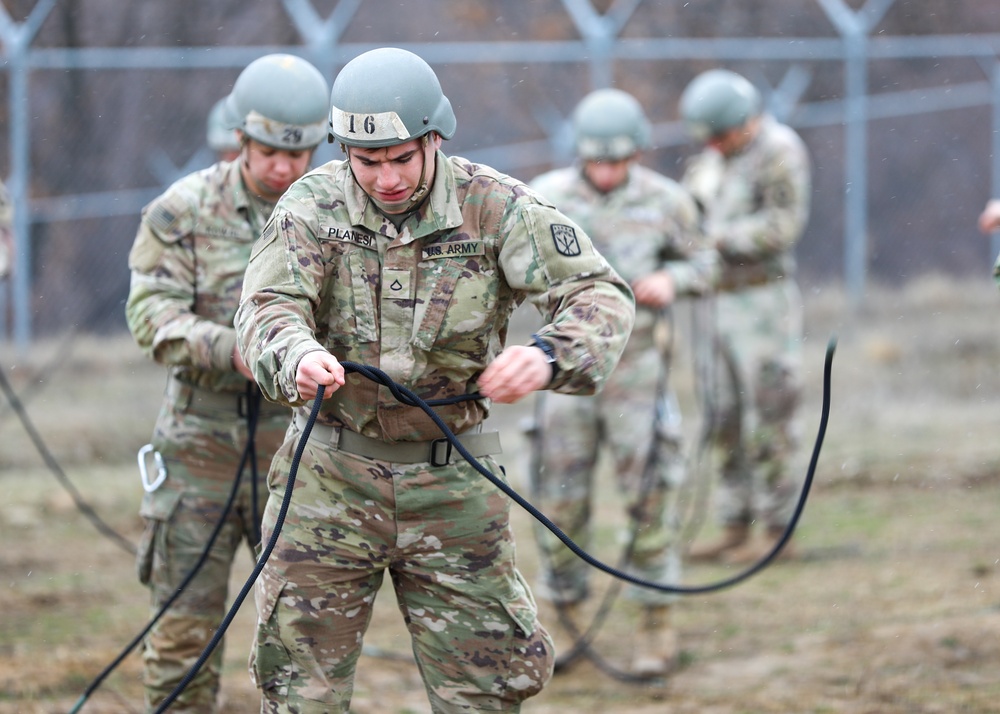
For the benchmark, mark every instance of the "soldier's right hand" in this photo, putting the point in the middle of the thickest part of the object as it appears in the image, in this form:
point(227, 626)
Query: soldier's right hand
point(316, 368)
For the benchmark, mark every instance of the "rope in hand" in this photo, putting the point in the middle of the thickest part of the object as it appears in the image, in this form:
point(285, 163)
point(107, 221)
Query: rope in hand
point(405, 396)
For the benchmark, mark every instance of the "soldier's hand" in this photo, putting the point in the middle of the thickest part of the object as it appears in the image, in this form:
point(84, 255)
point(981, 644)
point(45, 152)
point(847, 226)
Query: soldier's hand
point(240, 366)
point(654, 290)
point(316, 368)
point(515, 373)
point(989, 219)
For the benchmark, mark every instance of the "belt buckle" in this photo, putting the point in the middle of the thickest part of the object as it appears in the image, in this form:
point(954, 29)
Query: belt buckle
point(434, 461)
point(242, 405)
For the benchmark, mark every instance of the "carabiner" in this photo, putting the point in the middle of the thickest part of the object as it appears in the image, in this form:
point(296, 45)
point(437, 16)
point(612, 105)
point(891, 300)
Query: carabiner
point(161, 469)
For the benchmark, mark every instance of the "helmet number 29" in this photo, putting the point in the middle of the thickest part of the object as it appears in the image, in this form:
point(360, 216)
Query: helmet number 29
point(292, 135)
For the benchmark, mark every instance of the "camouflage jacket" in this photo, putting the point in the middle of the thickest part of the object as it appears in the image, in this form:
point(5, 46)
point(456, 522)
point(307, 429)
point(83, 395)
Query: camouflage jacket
point(429, 303)
point(187, 266)
point(646, 225)
point(6, 232)
point(755, 204)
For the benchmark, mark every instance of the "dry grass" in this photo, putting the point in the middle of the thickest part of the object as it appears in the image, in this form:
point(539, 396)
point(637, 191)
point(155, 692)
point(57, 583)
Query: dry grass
point(893, 607)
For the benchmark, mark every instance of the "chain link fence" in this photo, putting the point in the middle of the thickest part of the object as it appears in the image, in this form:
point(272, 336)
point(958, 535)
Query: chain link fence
point(105, 104)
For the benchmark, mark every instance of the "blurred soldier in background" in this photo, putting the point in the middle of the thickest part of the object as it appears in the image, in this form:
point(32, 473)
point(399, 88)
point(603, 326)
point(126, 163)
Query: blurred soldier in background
point(752, 184)
point(220, 135)
point(646, 226)
point(411, 261)
point(989, 221)
point(6, 232)
point(187, 264)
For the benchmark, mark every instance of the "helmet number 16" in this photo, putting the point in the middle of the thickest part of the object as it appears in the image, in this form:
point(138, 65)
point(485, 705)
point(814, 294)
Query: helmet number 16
point(368, 125)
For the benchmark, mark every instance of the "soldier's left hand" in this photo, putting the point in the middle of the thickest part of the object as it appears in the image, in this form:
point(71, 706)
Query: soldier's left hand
point(515, 373)
point(654, 290)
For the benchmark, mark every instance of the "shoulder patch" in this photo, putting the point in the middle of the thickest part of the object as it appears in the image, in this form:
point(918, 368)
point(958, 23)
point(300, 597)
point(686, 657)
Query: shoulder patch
point(565, 240)
point(161, 218)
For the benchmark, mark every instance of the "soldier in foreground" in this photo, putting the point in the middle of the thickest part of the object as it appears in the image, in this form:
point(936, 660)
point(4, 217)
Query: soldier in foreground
point(752, 184)
point(646, 226)
point(411, 261)
point(187, 264)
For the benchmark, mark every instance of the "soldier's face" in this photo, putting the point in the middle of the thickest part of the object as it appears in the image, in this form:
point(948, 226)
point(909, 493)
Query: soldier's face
point(607, 174)
point(268, 172)
point(392, 174)
point(733, 141)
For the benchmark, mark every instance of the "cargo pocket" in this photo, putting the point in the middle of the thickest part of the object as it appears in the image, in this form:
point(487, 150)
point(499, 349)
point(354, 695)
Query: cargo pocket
point(270, 664)
point(156, 509)
point(531, 652)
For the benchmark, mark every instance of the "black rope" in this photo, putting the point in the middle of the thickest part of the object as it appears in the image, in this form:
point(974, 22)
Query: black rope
point(381, 377)
point(272, 541)
point(583, 640)
point(253, 412)
point(407, 397)
point(85, 508)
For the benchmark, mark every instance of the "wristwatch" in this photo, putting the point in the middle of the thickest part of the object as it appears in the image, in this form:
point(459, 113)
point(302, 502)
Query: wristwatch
point(550, 354)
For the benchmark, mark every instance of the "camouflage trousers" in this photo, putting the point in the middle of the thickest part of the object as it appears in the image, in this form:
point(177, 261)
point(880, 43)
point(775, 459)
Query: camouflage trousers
point(756, 398)
point(635, 417)
point(201, 442)
point(444, 536)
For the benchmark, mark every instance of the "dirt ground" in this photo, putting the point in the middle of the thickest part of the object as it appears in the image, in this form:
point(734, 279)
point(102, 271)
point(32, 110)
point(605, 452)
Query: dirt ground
point(892, 606)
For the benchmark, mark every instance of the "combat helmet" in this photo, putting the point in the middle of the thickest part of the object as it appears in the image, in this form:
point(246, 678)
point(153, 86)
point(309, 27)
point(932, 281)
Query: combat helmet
point(609, 124)
point(279, 100)
point(219, 134)
point(716, 101)
point(386, 97)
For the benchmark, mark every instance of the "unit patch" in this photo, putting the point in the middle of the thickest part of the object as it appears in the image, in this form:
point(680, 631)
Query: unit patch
point(565, 239)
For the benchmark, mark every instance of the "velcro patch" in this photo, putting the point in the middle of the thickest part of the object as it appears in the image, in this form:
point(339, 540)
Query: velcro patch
point(458, 249)
point(161, 218)
point(347, 235)
point(565, 240)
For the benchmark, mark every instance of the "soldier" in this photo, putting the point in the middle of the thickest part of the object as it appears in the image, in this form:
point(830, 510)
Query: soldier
point(411, 261)
point(752, 184)
point(187, 264)
point(220, 136)
point(646, 226)
point(6, 232)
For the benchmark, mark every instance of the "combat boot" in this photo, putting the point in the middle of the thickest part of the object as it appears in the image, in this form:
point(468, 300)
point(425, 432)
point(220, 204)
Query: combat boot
point(755, 550)
point(733, 536)
point(657, 648)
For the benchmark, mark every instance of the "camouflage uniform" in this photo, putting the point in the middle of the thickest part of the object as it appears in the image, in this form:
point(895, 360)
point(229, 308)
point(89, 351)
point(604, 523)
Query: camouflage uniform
point(187, 266)
point(429, 304)
point(647, 224)
point(755, 206)
point(6, 232)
